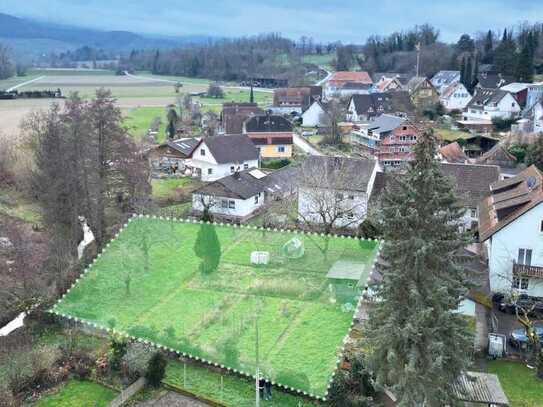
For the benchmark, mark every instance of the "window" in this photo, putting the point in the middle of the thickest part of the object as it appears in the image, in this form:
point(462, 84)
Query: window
point(202, 152)
point(232, 169)
point(280, 149)
point(541, 226)
point(520, 282)
point(245, 166)
point(224, 204)
point(256, 199)
point(232, 204)
point(473, 213)
point(525, 256)
point(351, 197)
point(209, 171)
point(350, 216)
point(339, 196)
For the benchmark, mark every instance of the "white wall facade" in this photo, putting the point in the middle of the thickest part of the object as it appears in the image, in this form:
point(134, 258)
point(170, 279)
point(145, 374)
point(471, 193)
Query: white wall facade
point(310, 204)
point(507, 108)
point(211, 170)
point(315, 116)
point(503, 247)
point(458, 100)
point(240, 208)
point(538, 118)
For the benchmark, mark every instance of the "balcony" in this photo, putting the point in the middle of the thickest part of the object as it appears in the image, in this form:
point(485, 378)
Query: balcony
point(527, 271)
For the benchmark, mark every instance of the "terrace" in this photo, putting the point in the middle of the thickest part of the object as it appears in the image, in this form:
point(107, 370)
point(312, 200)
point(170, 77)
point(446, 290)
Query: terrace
point(202, 290)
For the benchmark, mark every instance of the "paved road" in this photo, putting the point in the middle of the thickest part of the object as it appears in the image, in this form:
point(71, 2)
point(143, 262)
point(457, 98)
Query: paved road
point(303, 145)
point(328, 75)
point(24, 84)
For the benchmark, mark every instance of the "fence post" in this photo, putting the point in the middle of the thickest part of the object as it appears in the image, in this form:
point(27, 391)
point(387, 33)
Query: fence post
point(222, 388)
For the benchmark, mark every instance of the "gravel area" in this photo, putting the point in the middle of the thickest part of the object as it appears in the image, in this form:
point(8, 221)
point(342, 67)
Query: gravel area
point(172, 399)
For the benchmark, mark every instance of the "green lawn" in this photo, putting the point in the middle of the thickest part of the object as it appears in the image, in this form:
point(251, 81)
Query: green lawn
point(522, 387)
point(139, 120)
point(324, 59)
point(80, 394)
point(169, 188)
point(235, 391)
point(17, 205)
point(193, 288)
point(452, 135)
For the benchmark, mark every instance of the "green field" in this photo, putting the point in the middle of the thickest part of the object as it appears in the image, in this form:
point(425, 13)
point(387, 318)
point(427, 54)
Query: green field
point(520, 384)
point(138, 120)
point(193, 288)
point(80, 394)
point(233, 392)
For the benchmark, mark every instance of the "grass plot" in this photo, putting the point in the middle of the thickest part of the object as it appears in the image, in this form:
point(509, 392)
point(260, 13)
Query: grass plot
point(196, 288)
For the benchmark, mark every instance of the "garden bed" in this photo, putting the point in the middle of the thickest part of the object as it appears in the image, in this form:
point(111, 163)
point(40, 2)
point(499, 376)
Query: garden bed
point(192, 288)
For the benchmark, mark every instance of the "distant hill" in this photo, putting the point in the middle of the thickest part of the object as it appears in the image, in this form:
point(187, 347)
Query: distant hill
point(22, 34)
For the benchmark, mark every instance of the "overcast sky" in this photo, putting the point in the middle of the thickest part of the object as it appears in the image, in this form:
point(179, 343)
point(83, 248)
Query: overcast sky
point(326, 20)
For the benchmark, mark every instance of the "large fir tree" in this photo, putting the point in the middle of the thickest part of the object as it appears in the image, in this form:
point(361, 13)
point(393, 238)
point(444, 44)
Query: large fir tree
point(419, 343)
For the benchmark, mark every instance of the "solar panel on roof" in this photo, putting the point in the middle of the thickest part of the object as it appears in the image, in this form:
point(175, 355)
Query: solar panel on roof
point(257, 174)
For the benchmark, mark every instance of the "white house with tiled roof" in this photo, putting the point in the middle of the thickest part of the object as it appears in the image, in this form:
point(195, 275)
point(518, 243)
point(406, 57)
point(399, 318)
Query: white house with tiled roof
point(455, 97)
point(511, 226)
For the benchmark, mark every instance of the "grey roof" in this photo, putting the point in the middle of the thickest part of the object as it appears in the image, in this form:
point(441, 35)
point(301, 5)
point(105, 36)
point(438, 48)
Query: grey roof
point(385, 123)
point(486, 97)
point(471, 181)
point(231, 149)
point(379, 103)
point(185, 146)
point(444, 78)
point(357, 85)
point(282, 180)
point(337, 173)
point(267, 123)
point(415, 82)
point(241, 185)
point(477, 387)
point(493, 81)
point(248, 183)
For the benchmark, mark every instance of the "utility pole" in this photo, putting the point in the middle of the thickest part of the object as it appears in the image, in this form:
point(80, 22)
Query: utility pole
point(257, 380)
point(418, 58)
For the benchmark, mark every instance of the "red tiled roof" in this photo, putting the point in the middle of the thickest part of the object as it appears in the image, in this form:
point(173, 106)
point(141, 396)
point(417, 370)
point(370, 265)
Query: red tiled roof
point(347, 76)
point(453, 153)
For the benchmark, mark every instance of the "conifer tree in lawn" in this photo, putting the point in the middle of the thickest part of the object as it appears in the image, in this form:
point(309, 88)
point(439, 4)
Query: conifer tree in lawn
point(419, 345)
point(208, 248)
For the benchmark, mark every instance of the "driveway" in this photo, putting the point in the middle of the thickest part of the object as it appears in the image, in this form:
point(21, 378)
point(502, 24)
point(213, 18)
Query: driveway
point(304, 145)
point(172, 399)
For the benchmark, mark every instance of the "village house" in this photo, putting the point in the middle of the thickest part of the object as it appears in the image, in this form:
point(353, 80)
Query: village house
point(444, 79)
point(476, 145)
point(241, 195)
point(423, 94)
point(471, 182)
point(511, 226)
point(452, 153)
point(316, 115)
point(271, 134)
point(534, 117)
point(295, 100)
point(388, 84)
point(396, 149)
point(492, 80)
point(489, 104)
point(172, 155)
point(369, 135)
point(454, 97)
point(498, 155)
point(535, 94)
point(338, 80)
point(219, 156)
point(519, 91)
point(363, 108)
point(234, 115)
point(336, 189)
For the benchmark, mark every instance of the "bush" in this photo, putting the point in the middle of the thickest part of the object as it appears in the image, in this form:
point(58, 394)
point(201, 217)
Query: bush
point(156, 369)
point(519, 151)
point(276, 164)
point(502, 124)
point(116, 352)
point(136, 360)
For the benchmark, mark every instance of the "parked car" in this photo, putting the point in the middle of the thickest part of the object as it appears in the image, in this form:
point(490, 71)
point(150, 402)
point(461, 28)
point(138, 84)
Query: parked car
point(518, 337)
point(523, 301)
